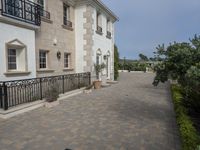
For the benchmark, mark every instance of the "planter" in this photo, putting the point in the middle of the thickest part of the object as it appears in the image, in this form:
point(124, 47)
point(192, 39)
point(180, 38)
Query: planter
point(97, 84)
point(51, 104)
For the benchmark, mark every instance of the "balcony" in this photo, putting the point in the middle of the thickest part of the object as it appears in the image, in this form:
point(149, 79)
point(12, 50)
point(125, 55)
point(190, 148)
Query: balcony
point(67, 24)
point(21, 10)
point(45, 14)
point(109, 34)
point(99, 30)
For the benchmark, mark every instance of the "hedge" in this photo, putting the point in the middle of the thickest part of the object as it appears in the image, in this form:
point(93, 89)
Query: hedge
point(189, 137)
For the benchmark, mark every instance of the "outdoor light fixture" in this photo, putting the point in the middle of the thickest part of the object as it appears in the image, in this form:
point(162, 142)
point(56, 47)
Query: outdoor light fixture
point(58, 54)
point(55, 42)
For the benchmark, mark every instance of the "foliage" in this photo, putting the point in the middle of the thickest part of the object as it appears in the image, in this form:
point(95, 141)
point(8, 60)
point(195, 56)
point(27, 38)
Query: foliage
point(189, 137)
point(133, 66)
point(143, 57)
point(52, 93)
point(180, 61)
point(116, 62)
point(98, 68)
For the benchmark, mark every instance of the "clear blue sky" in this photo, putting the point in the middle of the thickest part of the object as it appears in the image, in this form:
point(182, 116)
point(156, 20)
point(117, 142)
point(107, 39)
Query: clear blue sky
point(146, 23)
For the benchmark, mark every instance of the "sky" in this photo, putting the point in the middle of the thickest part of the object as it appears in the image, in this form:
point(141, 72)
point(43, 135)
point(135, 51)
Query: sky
point(144, 24)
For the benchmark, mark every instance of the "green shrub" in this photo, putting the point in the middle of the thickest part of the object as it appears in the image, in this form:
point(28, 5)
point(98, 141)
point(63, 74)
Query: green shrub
point(189, 137)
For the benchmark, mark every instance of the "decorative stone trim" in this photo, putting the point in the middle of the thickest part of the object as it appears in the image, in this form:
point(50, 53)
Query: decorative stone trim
point(88, 37)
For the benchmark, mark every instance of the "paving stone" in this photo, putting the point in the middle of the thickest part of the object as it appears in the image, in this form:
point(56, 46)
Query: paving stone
point(130, 115)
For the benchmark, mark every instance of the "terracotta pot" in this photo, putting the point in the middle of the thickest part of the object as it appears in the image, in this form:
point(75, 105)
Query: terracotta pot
point(97, 84)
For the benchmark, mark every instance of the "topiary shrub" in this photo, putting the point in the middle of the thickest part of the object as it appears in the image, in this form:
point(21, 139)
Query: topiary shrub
point(189, 137)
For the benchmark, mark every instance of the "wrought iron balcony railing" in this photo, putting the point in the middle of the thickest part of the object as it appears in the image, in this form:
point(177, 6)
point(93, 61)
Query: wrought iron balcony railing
point(67, 22)
point(109, 34)
point(22, 10)
point(99, 29)
point(45, 14)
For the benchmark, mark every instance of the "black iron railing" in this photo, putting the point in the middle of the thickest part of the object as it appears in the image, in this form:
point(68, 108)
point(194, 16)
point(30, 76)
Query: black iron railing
point(67, 22)
point(45, 14)
point(22, 10)
point(99, 29)
point(109, 34)
point(13, 93)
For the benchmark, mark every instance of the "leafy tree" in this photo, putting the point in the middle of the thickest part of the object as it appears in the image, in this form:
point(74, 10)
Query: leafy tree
point(143, 57)
point(116, 62)
point(180, 61)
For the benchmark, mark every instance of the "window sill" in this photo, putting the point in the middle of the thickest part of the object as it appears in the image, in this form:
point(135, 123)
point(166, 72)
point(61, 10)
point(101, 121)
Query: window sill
point(67, 27)
point(68, 69)
point(100, 33)
point(13, 73)
point(46, 20)
point(45, 70)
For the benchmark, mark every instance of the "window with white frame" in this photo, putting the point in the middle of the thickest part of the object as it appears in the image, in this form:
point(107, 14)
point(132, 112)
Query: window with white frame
point(16, 56)
point(43, 59)
point(67, 59)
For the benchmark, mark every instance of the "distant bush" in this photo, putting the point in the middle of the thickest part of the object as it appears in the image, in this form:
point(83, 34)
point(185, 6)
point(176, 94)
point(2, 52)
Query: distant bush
point(189, 137)
point(133, 66)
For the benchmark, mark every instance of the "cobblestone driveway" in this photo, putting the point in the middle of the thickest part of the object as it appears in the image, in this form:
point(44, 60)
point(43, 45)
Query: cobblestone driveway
point(131, 115)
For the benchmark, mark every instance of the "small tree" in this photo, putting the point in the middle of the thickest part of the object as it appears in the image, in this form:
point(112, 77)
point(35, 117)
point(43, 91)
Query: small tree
point(98, 68)
point(143, 57)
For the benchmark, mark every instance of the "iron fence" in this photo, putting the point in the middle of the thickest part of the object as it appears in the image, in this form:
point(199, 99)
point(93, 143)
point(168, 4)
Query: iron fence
point(13, 93)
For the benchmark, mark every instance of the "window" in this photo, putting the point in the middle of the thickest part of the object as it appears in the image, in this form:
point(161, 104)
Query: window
point(13, 7)
point(12, 59)
point(99, 23)
point(16, 56)
point(66, 15)
point(43, 59)
point(67, 60)
point(41, 3)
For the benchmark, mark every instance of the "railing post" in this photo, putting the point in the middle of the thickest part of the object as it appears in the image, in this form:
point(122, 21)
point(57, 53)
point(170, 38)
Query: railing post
point(79, 81)
point(89, 74)
point(41, 97)
point(63, 81)
point(5, 96)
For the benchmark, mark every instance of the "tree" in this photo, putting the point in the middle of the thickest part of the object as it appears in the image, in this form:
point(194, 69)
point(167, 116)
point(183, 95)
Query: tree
point(143, 57)
point(181, 62)
point(116, 62)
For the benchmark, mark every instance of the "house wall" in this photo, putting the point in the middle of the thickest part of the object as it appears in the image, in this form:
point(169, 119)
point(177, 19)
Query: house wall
point(88, 41)
point(46, 35)
point(104, 44)
point(9, 33)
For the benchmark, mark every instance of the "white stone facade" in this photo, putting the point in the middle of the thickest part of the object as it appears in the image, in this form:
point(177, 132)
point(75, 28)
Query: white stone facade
point(86, 41)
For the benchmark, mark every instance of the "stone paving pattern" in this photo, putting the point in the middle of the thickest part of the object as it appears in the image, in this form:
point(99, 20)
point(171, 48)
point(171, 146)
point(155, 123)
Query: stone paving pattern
point(131, 115)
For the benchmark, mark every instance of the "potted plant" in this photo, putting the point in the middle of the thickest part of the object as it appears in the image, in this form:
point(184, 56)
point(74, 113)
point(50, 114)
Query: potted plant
point(98, 69)
point(52, 96)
